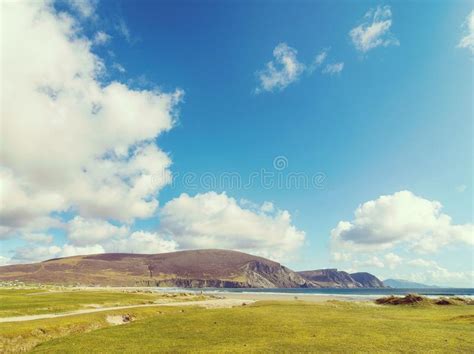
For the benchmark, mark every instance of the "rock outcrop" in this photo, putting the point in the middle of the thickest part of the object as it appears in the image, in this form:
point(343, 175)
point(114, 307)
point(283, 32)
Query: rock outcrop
point(367, 280)
point(333, 278)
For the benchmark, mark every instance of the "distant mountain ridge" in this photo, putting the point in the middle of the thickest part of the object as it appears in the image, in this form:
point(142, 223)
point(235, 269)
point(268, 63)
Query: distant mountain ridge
point(333, 278)
point(186, 269)
point(405, 284)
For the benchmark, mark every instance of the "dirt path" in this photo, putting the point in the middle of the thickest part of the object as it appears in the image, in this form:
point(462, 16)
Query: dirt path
point(215, 303)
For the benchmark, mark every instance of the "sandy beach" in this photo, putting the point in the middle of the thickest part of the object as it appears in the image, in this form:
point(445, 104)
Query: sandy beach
point(287, 297)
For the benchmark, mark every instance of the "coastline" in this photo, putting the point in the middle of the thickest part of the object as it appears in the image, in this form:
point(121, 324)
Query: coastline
point(285, 297)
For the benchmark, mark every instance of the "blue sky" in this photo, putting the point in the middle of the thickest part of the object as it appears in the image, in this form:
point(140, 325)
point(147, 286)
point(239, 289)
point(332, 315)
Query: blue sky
point(396, 117)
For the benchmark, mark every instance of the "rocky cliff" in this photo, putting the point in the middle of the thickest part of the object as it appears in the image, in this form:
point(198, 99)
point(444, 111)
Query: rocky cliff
point(333, 278)
point(367, 280)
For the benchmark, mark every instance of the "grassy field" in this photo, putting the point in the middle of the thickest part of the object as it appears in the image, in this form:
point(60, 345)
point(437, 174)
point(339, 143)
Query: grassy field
point(18, 302)
point(286, 326)
point(23, 336)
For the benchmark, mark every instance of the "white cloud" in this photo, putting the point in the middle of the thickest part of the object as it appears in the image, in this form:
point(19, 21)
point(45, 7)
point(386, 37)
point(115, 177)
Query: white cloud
point(374, 30)
point(282, 71)
point(318, 60)
point(25, 207)
point(422, 263)
point(435, 274)
point(320, 57)
point(90, 237)
point(85, 8)
point(119, 67)
point(82, 232)
point(340, 256)
point(30, 254)
point(100, 233)
point(101, 38)
point(267, 207)
point(4, 261)
point(461, 188)
point(142, 242)
point(137, 242)
point(123, 30)
point(392, 260)
point(372, 261)
point(69, 141)
point(468, 40)
point(37, 238)
point(399, 218)
point(214, 220)
point(70, 250)
point(333, 69)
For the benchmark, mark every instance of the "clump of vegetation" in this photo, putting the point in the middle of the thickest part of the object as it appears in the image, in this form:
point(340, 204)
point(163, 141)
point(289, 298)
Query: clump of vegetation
point(409, 299)
point(453, 301)
point(415, 299)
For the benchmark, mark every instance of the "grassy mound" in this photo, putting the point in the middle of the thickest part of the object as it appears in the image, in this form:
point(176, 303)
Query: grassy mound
point(409, 299)
point(415, 299)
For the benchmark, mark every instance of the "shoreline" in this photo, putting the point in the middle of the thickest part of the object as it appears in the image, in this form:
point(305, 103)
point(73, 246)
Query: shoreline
point(286, 297)
point(258, 294)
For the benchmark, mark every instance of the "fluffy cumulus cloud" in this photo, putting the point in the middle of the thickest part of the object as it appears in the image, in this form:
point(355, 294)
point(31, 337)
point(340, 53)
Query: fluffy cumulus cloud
point(374, 31)
point(23, 206)
point(70, 250)
point(388, 234)
point(393, 260)
point(281, 71)
point(83, 232)
point(372, 261)
point(69, 141)
point(467, 41)
point(400, 218)
point(112, 239)
point(97, 233)
point(214, 220)
point(142, 242)
point(29, 254)
point(362, 262)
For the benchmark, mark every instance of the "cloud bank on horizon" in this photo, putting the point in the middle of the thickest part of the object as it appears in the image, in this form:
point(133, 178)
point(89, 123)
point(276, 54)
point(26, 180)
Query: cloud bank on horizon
point(401, 221)
point(82, 157)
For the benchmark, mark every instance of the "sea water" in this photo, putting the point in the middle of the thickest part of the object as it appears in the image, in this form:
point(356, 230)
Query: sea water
point(358, 292)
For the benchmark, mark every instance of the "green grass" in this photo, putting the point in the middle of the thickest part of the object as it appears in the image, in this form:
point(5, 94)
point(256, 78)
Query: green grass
point(15, 302)
point(287, 326)
point(284, 327)
point(23, 336)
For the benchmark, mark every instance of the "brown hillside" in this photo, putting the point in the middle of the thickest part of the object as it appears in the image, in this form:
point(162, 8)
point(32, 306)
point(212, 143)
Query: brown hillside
point(200, 268)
